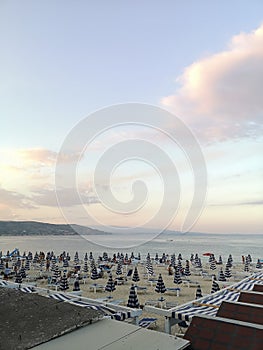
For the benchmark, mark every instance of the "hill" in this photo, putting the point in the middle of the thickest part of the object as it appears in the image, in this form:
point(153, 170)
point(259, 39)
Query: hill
point(34, 228)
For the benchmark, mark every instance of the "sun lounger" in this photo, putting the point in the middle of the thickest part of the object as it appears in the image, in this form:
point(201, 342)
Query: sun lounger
point(148, 322)
point(141, 290)
point(173, 290)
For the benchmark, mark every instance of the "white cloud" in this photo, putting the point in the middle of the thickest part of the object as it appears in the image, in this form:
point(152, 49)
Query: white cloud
point(220, 96)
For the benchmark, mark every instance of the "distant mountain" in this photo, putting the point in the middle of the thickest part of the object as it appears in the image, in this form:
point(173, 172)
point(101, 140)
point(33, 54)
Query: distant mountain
point(34, 228)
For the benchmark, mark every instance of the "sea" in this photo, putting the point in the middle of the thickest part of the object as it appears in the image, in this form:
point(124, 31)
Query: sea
point(186, 244)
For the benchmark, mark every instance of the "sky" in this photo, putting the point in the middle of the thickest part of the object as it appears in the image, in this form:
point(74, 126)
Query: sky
point(61, 61)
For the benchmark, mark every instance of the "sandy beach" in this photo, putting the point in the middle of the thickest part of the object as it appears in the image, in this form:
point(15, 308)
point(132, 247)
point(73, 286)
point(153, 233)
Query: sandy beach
point(146, 293)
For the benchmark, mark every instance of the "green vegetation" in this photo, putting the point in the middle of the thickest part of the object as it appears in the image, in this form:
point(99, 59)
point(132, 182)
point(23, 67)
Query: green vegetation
point(34, 228)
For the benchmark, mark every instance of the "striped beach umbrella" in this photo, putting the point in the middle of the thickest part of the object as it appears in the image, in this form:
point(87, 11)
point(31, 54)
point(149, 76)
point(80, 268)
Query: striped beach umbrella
point(173, 260)
point(198, 293)
point(215, 287)
point(227, 272)
point(23, 271)
point(213, 265)
point(220, 261)
point(18, 278)
point(160, 286)
point(133, 301)
point(110, 286)
point(221, 276)
point(85, 267)
point(187, 268)
point(135, 276)
point(94, 273)
point(119, 268)
point(55, 275)
point(27, 265)
point(246, 267)
point(76, 258)
point(63, 283)
point(177, 276)
point(65, 263)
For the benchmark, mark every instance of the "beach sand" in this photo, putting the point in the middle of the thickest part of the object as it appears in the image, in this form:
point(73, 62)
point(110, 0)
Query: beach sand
point(148, 295)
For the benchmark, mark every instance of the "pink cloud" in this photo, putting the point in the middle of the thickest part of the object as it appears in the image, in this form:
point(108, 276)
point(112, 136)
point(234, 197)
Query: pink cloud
point(220, 96)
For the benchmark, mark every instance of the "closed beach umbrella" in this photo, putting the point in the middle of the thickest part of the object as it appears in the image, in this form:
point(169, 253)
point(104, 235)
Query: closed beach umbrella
point(27, 265)
point(187, 269)
point(18, 278)
point(94, 273)
point(173, 260)
point(63, 283)
point(23, 271)
point(119, 269)
point(220, 261)
point(135, 276)
point(177, 276)
point(213, 265)
point(227, 272)
point(110, 286)
point(55, 275)
point(198, 293)
point(215, 287)
point(2, 266)
point(65, 263)
point(133, 301)
point(221, 276)
point(85, 268)
point(86, 257)
point(246, 267)
point(180, 266)
point(160, 287)
point(149, 268)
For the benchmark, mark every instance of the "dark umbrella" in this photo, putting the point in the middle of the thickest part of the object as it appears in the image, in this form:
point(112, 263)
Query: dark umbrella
point(246, 267)
point(160, 287)
point(18, 279)
point(221, 276)
point(133, 301)
point(119, 269)
point(110, 286)
point(213, 265)
point(94, 273)
point(220, 261)
point(63, 283)
point(215, 287)
point(187, 269)
point(55, 275)
point(227, 272)
point(135, 276)
point(177, 276)
point(198, 293)
point(85, 268)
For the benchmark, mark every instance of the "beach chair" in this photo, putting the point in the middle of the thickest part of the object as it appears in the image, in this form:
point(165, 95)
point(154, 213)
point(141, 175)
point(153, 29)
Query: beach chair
point(141, 290)
point(148, 322)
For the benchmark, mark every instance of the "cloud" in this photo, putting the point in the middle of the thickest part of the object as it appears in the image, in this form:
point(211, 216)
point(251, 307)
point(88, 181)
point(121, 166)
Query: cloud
point(68, 197)
point(11, 199)
point(220, 96)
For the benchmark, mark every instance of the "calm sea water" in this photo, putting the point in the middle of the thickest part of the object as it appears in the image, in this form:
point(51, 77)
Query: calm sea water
point(237, 245)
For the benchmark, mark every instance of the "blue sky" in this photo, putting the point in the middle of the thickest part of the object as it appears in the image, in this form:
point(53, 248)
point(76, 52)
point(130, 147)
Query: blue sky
point(62, 60)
